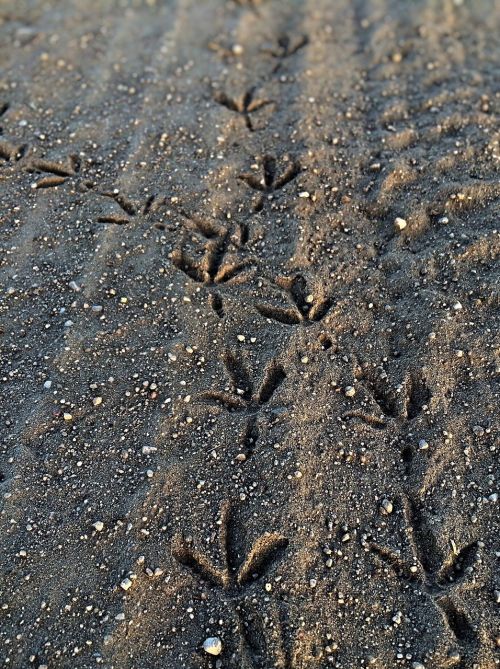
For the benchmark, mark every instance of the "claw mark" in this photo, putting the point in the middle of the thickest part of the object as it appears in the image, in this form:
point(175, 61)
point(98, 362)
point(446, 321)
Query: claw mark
point(437, 577)
point(243, 398)
point(249, 437)
point(216, 304)
point(245, 105)
point(237, 573)
point(269, 181)
point(305, 308)
point(418, 396)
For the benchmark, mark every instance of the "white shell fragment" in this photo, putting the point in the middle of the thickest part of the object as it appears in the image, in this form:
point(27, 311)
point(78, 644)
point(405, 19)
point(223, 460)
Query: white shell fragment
point(212, 645)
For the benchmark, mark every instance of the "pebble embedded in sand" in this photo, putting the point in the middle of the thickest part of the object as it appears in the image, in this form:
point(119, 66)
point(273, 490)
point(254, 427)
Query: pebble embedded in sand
point(212, 645)
point(400, 223)
point(386, 507)
point(417, 665)
point(126, 584)
point(350, 391)
point(67, 417)
point(423, 445)
point(98, 525)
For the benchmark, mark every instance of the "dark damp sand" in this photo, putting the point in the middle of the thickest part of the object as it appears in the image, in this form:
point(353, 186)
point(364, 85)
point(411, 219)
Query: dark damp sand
point(239, 400)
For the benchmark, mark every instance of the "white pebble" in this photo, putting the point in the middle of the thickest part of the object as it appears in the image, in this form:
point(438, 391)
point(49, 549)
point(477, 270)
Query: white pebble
point(47, 385)
point(99, 525)
point(212, 645)
point(350, 391)
point(400, 223)
point(126, 584)
point(423, 445)
point(386, 507)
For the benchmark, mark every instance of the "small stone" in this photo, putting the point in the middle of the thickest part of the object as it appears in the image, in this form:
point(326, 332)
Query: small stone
point(423, 445)
point(97, 401)
point(400, 223)
point(126, 584)
point(397, 618)
point(493, 497)
point(417, 665)
point(478, 430)
point(304, 194)
point(99, 525)
point(496, 594)
point(313, 582)
point(457, 306)
point(47, 385)
point(386, 507)
point(349, 391)
point(67, 417)
point(212, 645)
point(74, 286)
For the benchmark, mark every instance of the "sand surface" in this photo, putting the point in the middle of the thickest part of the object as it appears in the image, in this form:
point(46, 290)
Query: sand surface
point(249, 330)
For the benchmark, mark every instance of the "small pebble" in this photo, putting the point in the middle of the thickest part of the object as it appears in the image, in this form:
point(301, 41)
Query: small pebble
point(386, 507)
point(496, 593)
point(99, 525)
point(47, 385)
point(397, 618)
point(74, 286)
point(400, 223)
point(67, 416)
point(417, 665)
point(212, 645)
point(126, 584)
point(97, 401)
point(350, 391)
point(423, 445)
